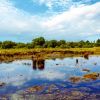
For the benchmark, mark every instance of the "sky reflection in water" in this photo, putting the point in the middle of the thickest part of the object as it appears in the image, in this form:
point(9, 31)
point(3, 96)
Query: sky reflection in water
point(21, 74)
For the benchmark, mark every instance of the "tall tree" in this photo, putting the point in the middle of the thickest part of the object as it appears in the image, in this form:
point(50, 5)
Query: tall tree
point(39, 41)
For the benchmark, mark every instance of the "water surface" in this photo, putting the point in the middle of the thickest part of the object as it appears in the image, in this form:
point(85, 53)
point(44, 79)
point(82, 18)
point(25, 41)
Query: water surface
point(20, 75)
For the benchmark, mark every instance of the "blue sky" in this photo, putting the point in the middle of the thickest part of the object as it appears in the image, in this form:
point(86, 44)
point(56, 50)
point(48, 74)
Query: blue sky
point(72, 20)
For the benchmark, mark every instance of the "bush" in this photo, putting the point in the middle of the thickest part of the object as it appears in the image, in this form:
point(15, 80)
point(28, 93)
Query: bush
point(8, 44)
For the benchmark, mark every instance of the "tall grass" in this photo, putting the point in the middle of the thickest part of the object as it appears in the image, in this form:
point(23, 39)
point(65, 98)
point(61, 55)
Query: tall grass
point(7, 54)
point(46, 50)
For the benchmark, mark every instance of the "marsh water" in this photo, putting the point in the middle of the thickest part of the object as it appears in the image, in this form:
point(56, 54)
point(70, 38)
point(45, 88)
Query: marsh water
point(52, 74)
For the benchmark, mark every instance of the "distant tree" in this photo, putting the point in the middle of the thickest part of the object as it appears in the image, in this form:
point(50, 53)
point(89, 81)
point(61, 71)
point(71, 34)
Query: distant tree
point(88, 44)
point(20, 45)
point(52, 43)
point(8, 44)
point(0, 44)
point(68, 45)
point(72, 44)
point(63, 46)
point(38, 41)
point(46, 44)
point(29, 45)
point(81, 44)
point(98, 42)
point(61, 42)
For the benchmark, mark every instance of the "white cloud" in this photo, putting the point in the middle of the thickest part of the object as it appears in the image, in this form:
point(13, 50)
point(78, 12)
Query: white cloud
point(81, 21)
point(73, 24)
point(14, 19)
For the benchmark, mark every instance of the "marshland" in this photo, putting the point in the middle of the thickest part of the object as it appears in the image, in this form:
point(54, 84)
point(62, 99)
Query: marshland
point(49, 49)
point(40, 47)
point(68, 72)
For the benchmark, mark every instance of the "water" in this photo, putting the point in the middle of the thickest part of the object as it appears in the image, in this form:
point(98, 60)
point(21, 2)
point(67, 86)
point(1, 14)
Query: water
point(19, 75)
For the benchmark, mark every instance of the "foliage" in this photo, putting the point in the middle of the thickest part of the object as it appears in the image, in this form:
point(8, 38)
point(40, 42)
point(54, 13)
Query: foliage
point(38, 42)
point(20, 45)
point(0, 44)
point(61, 42)
point(8, 44)
point(29, 45)
point(42, 43)
point(98, 42)
point(52, 44)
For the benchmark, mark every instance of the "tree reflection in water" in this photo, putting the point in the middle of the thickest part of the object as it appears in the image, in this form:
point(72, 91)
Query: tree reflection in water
point(86, 55)
point(38, 64)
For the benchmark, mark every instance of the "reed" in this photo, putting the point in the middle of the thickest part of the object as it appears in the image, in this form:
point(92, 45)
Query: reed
point(45, 52)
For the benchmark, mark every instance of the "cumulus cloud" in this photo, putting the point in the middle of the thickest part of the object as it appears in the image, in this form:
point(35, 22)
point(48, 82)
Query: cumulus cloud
point(81, 21)
point(15, 22)
point(74, 24)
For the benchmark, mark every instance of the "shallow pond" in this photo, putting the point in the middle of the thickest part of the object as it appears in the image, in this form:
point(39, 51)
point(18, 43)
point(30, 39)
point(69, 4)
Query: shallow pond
point(50, 76)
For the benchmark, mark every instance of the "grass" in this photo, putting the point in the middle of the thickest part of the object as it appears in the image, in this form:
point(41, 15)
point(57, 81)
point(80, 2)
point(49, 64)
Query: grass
point(6, 54)
point(96, 50)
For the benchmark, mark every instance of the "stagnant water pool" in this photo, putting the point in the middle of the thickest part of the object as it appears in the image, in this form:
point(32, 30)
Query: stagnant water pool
point(51, 76)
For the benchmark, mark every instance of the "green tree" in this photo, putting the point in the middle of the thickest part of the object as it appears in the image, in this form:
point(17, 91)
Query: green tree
point(20, 45)
point(88, 44)
point(38, 41)
point(61, 42)
point(8, 44)
point(46, 44)
point(52, 43)
point(72, 44)
point(0, 44)
point(81, 44)
point(29, 45)
point(98, 42)
point(63, 46)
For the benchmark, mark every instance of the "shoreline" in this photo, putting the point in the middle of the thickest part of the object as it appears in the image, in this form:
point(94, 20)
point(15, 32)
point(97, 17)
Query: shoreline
point(45, 53)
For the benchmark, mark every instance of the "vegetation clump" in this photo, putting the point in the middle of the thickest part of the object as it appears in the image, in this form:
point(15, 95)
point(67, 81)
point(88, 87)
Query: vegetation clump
point(41, 42)
point(75, 79)
point(40, 47)
point(92, 76)
point(34, 89)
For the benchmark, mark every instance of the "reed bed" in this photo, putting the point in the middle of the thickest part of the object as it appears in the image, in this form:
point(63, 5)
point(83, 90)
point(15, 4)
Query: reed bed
point(6, 54)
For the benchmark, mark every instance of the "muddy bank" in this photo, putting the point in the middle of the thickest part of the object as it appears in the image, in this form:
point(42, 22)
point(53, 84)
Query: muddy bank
point(9, 55)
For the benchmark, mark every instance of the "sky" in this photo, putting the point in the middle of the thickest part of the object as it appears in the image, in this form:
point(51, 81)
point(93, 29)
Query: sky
point(71, 20)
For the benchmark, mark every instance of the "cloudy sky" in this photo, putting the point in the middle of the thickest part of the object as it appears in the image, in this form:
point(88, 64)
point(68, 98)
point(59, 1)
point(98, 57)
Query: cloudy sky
point(72, 20)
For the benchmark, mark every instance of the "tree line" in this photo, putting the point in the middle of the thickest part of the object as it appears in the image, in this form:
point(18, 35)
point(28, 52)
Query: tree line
point(40, 42)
